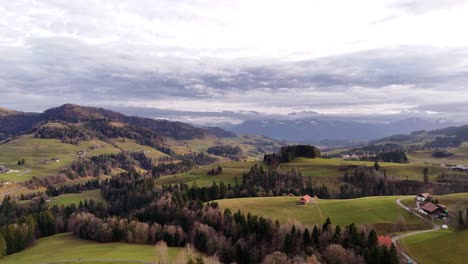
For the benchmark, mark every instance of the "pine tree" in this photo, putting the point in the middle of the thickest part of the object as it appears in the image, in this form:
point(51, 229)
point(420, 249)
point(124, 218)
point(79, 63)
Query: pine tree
point(426, 175)
point(306, 237)
point(337, 234)
point(315, 235)
point(376, 166)
point(394, 255)
point(372, 239)
point(326, 224)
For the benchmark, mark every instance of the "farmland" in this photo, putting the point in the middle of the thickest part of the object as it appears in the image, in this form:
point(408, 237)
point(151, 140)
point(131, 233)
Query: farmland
point(69, 198)
point(34, 151)
point(382, 212)
point(64, 248)
point(442, 246)
point(231, 169)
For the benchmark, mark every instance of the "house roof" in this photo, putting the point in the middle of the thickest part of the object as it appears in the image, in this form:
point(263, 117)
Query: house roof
point(305, 198)
point(425, 195)
point(429, 207)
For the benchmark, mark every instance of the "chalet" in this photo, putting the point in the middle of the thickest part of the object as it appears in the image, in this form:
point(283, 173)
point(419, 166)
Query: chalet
point(306, 199)
point(432, 209)
point(423, 197)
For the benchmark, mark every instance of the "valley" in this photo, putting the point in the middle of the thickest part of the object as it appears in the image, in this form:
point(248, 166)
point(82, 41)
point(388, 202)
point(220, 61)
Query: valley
point(93, 168)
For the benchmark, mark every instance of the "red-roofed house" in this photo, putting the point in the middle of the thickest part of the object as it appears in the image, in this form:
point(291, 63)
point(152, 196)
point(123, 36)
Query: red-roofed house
point(306, 199)
point(429, 208)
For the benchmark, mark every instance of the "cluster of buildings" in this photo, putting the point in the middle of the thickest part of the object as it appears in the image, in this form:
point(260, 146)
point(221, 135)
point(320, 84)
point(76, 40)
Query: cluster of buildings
point(356, 156)
point(47, 161)
point(427, 207)
point(4, 169)
point(459, 167)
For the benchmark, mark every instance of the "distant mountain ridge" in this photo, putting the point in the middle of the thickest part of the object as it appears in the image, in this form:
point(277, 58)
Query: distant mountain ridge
point(13, 123)
point(317, 130)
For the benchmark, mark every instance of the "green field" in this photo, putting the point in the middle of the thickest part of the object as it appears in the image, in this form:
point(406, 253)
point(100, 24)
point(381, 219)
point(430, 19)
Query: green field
point(331, 171)
point(460, 156)
point(382, 212)
point(131, 146)
point(231, 169)
point(65, 248)
point(323, 171)
point(443, 246)
point(69, 198)
point(35, 150)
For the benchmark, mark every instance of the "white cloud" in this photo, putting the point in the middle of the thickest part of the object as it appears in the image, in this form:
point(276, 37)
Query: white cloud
point(267, 56)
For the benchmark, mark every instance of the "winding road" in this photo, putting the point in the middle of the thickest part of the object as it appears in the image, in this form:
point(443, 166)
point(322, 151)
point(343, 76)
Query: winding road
point(396, 238)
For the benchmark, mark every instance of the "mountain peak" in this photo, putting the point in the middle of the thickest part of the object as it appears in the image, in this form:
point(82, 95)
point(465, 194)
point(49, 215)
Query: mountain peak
point(78, 113)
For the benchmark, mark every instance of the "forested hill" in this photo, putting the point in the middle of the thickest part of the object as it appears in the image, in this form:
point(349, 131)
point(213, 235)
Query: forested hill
point(13, 123)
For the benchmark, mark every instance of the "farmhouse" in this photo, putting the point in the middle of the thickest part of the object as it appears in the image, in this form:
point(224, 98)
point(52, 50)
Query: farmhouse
point(432, 209)
point(3, 169)
point(306, 199)
point(423, 197)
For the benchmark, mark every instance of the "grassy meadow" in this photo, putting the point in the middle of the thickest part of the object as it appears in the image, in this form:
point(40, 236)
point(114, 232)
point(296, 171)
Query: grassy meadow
point(382, 212)
point(443, 246)
point(65, 248)
point(34, 150)
point(69, 198)
point(132, 146)
point(231, 169)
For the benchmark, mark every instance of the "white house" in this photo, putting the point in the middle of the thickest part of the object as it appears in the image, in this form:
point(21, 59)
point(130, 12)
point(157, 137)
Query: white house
point(422, 197)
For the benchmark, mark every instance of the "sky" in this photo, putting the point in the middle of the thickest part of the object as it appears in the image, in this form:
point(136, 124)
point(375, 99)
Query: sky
point(229, 61)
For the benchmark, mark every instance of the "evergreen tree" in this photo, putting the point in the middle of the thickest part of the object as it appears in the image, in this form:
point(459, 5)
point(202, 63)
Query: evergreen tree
point(306, 237)
point(376, 166)
point(426, 175)
point(372, 239)
point(326, 224)
point(394, 259)
point(315, 235)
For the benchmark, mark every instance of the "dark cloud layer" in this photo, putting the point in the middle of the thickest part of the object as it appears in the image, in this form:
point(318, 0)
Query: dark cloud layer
point(135, 60)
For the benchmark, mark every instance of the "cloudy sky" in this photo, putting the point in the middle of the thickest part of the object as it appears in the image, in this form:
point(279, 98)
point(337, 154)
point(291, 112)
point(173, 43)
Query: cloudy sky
point(215, 61)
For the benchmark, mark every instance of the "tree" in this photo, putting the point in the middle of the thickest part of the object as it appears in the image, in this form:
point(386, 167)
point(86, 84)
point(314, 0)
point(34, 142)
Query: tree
point(306, 237)
point(394, 255)
point(326, 224)
point(372, 239)
point(376, 166)
point(315, 235)
point(426, 175)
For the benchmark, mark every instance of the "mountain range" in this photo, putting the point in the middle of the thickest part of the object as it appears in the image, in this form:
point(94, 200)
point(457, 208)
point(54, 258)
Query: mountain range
point(15, 122)
point(329, 131)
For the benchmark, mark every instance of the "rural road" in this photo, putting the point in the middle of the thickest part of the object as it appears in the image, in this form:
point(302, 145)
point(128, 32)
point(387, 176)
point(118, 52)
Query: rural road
point(14, 190)
point(396, 238)
point(24, 172)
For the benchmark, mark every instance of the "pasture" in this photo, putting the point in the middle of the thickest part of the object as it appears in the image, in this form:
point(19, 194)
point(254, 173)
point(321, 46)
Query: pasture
point(34, 151)
point(65, 248)
point(381, 212)
point(231, 169)
point(442, 246)
point(69, 198)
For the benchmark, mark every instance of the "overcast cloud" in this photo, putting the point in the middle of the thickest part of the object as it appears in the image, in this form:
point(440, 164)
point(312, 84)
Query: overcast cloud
point(223, 61)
